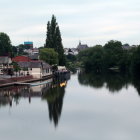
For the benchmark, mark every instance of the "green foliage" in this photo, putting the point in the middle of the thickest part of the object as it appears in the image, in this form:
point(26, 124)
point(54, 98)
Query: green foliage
point(54, 40)
point(92, 58)
point(71, 58)
point(16, 67)
point(113, 53)
point(49, 55)
point(14, 51)
point(111, 56)
point(5, 44)
point(135, 63)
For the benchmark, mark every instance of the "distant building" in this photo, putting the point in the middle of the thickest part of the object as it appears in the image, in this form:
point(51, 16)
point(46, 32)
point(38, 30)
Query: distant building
point(72, 51)
point(29, 44)
point(127, 46)
point(32, 51)
point(81, 47)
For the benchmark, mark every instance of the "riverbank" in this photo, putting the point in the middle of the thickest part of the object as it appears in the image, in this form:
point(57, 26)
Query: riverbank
point(26, 79)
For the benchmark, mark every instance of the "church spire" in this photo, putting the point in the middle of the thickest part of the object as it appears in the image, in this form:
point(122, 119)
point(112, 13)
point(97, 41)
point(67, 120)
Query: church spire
point(79, 42)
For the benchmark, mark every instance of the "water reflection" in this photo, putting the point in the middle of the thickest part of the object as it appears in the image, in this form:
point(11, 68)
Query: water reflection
point(113, 81)
point(54, 97)
point(52, 92)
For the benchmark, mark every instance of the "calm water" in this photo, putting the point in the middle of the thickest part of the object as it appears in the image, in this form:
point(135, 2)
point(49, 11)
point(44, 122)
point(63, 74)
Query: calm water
point(86, 107)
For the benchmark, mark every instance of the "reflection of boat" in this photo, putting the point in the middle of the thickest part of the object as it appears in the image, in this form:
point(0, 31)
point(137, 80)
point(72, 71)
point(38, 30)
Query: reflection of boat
point(41, 83)
point(35, 84)
point(63, 84)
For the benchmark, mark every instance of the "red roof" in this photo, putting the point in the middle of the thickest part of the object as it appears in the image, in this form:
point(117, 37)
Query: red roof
point(21, 59)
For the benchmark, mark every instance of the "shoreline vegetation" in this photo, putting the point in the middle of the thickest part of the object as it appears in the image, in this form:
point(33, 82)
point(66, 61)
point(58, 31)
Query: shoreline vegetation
point(99, 59)
point(111, 56)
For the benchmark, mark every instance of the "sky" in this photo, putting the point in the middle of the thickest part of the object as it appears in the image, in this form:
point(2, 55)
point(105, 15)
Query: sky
point(90, 21)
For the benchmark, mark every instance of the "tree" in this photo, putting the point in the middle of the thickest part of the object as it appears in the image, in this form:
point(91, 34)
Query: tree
point(54, 40)
point(93, 58)
point(14, 51)
point(113, 53)
point(5, 44)
point(49, 55)
point(16, 67)
point(135, 62)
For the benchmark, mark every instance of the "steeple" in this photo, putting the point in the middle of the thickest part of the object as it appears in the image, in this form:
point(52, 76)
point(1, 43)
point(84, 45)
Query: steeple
point(79, 42)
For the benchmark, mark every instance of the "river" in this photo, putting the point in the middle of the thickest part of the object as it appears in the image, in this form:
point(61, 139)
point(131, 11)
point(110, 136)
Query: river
point(80, 107)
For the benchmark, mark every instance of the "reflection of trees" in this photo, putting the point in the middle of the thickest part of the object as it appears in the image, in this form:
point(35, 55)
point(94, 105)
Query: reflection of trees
point(136, 83)
point(54, 97)
point(114, 81)
point(53, 93)
point(12, 94)
point(4, 101)
point(91, 79)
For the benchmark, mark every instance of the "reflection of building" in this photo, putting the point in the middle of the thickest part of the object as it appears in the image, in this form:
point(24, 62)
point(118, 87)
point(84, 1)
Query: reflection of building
point(15, 92)
point(53, 92)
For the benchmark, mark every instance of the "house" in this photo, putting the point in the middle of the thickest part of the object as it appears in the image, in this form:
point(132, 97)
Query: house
point(5, 62)
point(38, 69)
point(81, 47)
point(32, 66)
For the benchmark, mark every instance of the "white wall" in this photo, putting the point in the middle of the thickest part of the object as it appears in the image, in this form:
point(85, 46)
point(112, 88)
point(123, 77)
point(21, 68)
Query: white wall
point(37, 72)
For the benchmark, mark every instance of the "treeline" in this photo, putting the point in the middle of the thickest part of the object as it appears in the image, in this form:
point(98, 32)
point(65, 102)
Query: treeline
point(111, 56)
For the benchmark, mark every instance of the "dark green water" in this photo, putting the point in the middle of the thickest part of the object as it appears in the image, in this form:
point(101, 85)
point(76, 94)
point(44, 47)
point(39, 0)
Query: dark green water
point(85, 107)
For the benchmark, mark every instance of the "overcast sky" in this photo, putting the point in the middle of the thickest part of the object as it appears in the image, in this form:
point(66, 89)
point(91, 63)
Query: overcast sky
point(91, 21)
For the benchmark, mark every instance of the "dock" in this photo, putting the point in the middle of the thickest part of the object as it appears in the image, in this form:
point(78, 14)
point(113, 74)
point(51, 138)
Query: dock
point(25, 82)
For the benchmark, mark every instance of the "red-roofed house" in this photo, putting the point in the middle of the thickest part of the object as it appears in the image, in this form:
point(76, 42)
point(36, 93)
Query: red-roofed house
point(36, 68)
point(21, 59)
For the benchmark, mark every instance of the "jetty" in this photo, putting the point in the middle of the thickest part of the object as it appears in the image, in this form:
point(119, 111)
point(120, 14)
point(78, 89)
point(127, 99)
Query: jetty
point(26, 80)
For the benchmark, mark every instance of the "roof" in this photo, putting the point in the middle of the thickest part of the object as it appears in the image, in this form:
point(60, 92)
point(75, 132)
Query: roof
point(5, 60)
point(45, 65)
point(21, 59)
point(23, 64)
point(34, 64)
point(34, 56)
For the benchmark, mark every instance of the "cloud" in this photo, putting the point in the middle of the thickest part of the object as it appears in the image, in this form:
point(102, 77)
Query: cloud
point(89, 20)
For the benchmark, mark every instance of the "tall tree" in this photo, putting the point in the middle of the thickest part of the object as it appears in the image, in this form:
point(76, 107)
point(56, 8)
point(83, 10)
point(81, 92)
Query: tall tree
point(54, 40)
point(5, 44)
